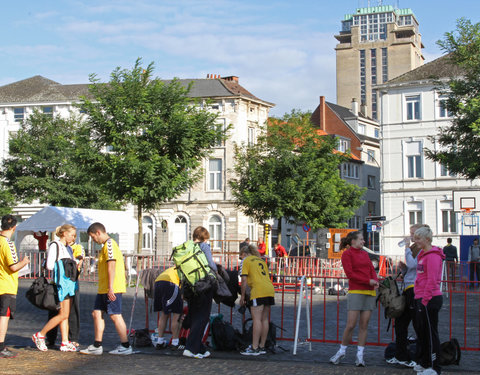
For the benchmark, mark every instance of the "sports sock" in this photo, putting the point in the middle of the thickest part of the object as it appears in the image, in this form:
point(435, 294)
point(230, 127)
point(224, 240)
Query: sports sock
point(126, 344)
point(360, 350)
point(343, 349)
point(97, 344)
point(174, 342)
point(2, 346)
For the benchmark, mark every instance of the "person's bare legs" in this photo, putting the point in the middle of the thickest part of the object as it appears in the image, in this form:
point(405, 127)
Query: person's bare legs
point(98, 324)
point(265, 325)
point(363, 327)
point(120, 326)
point(3, 327)
point(352, 317)
point(257, 312)
point(58, 319)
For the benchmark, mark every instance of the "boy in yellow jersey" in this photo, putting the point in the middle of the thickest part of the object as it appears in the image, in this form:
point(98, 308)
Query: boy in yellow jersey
point(9, 267)
point(254, 272)
point(111, 286)
point(169, 301)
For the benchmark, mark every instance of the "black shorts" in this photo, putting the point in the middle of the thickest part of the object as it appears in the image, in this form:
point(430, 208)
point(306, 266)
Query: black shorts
point(8, 305)
point(167, 298)
point(267, 301)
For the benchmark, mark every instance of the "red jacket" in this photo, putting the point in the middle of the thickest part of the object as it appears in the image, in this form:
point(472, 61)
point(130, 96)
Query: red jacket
point(280, 251)
point(262, 248)
point(358, 268)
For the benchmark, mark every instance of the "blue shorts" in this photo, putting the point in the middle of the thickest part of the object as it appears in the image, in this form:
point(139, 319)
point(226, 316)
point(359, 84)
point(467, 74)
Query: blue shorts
point(102, 303)
point(167, 298)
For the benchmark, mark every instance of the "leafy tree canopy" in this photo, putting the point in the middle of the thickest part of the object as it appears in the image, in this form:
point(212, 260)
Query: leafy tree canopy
point(460, 141)
point(49, 161)
point(293, 172)
point(154, 135)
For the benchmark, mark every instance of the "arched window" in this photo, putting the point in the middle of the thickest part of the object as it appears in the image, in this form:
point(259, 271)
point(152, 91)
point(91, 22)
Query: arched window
point(251, 230)
point(215, 228)
point(179, 232)
point(147, 225)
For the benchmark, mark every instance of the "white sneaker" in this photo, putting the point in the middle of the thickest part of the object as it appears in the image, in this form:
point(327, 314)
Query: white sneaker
point(359, 362)
point(206, 354)
point(337, 358)
point(418, 368)
point(67, 347)
point(121, 350)
point(39, 342)
point(92, 350)
point(428, 371)
point(189, 354)
point(395, 361)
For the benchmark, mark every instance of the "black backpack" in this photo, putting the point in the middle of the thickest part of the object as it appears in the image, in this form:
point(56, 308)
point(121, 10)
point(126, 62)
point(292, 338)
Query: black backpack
point(141, 338)
point(450, 353)
point(224, 336)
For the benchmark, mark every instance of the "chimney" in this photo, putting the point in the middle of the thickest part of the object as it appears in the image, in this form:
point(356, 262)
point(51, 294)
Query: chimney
point(322, 113)
point(355, 106)
point(231, 78)
point(363, 109)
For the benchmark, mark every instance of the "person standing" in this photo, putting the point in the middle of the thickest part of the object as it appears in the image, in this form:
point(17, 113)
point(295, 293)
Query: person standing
point(362, 283)
point(111, 287)
point(168, 301)
point(409, 272)
point(429, 300)
point(244, 243)
point(254, 272)
point(451, 259)
point(262, 247)
point(42, 238)
point(474, 260)
point(280, 251)
point(65, 273)
point(9, 267)
point(199, 305)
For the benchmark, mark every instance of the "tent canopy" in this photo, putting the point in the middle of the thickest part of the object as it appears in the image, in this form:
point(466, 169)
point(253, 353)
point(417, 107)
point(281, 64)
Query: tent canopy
point(50, 217)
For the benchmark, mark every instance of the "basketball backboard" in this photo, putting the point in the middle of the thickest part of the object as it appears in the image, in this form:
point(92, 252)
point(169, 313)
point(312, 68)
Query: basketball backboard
point(466, 200)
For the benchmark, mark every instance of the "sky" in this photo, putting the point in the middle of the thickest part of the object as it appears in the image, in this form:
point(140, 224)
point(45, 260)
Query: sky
point(281, 50)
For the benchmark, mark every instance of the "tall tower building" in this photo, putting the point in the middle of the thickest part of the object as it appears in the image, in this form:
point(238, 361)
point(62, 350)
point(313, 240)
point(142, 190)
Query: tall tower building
point(375, 45)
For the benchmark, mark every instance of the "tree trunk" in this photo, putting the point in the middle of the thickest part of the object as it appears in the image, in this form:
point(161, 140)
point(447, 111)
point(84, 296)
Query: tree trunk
point(279, 231)
point(140, 229)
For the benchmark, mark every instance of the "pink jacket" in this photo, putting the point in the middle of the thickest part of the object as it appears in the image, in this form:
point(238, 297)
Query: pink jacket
point(429, 274)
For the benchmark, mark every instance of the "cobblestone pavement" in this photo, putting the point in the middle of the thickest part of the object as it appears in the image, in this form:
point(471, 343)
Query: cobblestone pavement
point(150, 361)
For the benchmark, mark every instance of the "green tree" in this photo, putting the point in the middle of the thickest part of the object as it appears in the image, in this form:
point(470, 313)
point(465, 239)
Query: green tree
point(460, 141)
point(49, 161)
point(292, 172)
point(7, 200)
point(154, 136)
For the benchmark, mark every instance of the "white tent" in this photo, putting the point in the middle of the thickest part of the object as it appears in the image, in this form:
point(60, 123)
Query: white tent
point(50, 217)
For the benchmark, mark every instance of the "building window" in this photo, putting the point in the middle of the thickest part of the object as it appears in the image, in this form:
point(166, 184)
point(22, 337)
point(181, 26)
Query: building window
point(343, 144)
point(251, 135)
point(372, 208)
point(374, 26)
point(215, 174)
point(350, 170)
point(371, 182)
point(374, 104)
point(19, 114)
point(215, 230)
point(48, 111)
point(361, 128)
point(384, 65)
point(354, 222)
point(363, 78)
point(373, 65)
point(444, 172)
point(442, 107)
point(251, 229)
point(413, 107)
point(147, 227)
point(414, 159)
point(449, 221)
point(376, 133)
point(371, 156)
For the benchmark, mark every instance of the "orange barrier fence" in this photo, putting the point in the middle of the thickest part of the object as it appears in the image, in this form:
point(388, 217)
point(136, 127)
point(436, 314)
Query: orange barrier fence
point(459, 317)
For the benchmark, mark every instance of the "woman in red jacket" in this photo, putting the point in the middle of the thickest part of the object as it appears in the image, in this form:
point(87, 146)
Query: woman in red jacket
point(362, 282)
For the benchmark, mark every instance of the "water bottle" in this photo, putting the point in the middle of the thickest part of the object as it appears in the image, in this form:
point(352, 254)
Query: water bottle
point(403, 242)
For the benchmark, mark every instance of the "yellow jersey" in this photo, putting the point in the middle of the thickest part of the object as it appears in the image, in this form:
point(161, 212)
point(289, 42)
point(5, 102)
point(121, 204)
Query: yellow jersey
point(170, 275)
point(111, 252)
point(78, 250)
point(8, 257)
point(258, 279)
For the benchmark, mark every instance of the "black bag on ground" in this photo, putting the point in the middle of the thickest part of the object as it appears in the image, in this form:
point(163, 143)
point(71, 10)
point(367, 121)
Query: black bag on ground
point(391, 349)
point(43, 294)
point(141, 338)
point(450, 353)
point(224, 336)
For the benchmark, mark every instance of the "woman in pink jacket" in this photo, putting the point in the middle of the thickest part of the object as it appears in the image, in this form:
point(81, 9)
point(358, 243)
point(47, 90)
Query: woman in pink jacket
point(429, 300)
point(362, 282)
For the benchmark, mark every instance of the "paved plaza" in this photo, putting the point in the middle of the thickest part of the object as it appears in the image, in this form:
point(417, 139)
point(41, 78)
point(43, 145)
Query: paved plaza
point(151, 361)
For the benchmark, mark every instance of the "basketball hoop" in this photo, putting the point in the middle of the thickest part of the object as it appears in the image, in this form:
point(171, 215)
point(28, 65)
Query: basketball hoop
point(468, 217)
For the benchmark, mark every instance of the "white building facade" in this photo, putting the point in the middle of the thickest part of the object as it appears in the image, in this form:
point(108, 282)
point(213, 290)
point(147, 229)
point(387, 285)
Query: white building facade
point(209, 203)
point(416, 189)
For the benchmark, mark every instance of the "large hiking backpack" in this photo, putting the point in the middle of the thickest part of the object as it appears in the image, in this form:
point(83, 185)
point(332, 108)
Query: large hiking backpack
point(390, 298)
point(192, 267)
point(450, 353)
point(224, 336)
